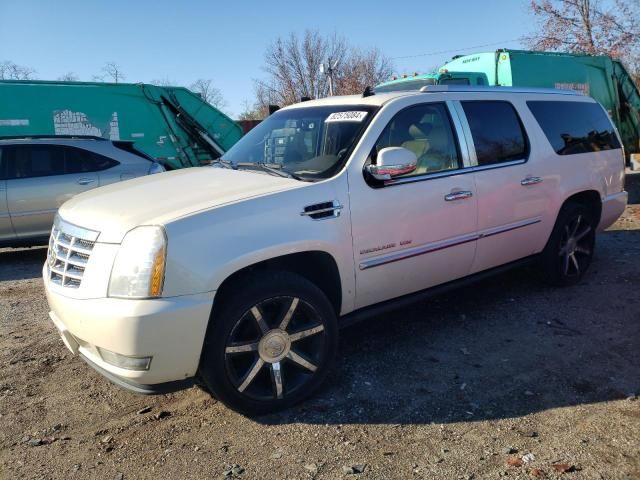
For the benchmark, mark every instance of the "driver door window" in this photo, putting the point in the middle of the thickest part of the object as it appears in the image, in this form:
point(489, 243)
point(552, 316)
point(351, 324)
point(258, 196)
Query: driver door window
point(425, 130)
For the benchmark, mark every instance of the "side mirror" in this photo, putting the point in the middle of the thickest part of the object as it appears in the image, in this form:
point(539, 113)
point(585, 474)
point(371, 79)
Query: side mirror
point(392, 162)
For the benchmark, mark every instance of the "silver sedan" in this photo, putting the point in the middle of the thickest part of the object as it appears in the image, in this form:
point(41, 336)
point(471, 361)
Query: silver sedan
point(37, 175)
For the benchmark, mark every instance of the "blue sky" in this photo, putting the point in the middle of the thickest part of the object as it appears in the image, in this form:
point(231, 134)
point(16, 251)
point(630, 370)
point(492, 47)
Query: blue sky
point(189, 39)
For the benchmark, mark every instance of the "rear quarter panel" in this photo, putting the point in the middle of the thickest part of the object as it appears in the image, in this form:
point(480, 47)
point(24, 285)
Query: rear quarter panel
point(602, 171)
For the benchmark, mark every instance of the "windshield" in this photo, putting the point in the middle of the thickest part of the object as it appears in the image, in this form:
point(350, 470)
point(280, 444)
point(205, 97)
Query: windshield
point(305, 143)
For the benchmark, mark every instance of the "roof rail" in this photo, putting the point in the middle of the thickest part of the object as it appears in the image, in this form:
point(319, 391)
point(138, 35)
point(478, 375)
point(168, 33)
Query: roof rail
point(38, 137)
point(472, 88)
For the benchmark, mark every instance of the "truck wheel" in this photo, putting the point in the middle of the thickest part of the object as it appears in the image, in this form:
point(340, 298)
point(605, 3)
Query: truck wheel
point(270, 344)
point(569, 251)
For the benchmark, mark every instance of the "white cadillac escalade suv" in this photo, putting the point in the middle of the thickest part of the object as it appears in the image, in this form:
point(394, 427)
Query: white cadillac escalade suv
point(241, 274)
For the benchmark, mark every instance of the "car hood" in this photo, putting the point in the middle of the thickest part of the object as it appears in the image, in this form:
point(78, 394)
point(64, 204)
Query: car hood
point(115, 209)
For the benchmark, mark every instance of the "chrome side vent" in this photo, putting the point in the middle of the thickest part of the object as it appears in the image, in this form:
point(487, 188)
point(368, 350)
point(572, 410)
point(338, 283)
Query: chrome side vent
point(322, 211)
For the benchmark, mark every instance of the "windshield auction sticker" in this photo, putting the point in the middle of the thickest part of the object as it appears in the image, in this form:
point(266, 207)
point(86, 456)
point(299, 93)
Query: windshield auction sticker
point(346, 117)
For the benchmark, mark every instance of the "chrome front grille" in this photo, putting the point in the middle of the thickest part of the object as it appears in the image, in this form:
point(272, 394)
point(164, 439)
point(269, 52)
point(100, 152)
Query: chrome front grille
point(69, 250)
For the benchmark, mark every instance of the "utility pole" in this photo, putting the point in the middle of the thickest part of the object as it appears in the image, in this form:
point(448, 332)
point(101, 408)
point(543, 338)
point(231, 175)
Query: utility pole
point(329, 69)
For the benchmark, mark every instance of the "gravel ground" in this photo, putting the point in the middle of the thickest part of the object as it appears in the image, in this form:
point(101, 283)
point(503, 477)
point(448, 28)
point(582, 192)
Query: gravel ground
point(507, 378)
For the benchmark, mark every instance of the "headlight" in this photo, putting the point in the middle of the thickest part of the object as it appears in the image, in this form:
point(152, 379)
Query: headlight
point(138, 271)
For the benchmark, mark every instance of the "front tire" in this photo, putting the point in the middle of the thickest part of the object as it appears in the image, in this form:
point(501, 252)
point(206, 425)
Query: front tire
point(270, 344)
point(569, 251)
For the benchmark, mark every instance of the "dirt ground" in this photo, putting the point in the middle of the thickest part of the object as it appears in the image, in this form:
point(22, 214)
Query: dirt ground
point(507, 378)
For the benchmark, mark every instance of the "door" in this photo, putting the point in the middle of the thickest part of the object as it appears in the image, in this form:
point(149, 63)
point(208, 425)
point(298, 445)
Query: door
point(513, 189)
point(40, 179)
point(6, 229)
point(417, 230)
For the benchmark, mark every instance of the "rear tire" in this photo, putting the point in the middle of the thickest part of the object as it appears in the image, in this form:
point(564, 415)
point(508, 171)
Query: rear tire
point(270, 343)
point(569, 251)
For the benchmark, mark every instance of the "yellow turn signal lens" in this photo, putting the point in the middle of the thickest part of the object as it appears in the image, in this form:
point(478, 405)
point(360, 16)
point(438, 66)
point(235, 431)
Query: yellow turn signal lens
point(157, 273)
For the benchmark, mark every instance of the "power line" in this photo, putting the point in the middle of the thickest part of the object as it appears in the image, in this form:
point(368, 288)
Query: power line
point(455, 50)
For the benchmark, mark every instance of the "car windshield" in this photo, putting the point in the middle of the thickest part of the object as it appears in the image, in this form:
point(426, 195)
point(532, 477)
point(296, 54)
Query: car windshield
point(310, 143)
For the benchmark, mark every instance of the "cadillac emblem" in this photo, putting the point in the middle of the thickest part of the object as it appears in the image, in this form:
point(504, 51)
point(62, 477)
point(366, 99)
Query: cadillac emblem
point(52, 257)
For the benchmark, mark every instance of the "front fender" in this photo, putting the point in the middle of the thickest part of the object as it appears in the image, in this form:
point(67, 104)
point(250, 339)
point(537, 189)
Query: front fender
point(207, 247)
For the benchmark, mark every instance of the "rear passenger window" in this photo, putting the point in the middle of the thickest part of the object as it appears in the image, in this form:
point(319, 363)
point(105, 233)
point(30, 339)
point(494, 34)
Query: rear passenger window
point(81, 161)
point(35, 161)
point(497, 132)
point(575, 127)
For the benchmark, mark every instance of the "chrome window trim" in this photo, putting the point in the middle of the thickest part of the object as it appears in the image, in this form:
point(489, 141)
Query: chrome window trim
point(452, 173)
point(75, 231)
point(466, 129)
point(442, 244)
point(492, 166)
point(427, 176)
point(461, 134)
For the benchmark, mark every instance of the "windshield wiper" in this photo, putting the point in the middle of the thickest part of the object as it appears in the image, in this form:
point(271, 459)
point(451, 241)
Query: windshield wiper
point(275, 171)
point(282, 173)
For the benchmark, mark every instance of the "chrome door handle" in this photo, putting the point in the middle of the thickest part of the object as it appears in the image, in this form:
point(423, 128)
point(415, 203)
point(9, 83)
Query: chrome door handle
point(85, 181)
point(458, 195)
point(530, 181)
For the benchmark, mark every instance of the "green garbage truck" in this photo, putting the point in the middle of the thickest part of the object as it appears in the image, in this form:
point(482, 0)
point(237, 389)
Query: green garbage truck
point(601, 77)
point(171, 124)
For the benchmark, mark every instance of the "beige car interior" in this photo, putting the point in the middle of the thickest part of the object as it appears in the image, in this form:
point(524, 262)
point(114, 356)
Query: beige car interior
point(427, 134)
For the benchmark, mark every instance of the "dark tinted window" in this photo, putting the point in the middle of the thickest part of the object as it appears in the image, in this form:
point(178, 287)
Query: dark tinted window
point(496, 130)
point(575, 127)
point(454, 81)
point(34, 161)
point(80, 161)
point(26, 161)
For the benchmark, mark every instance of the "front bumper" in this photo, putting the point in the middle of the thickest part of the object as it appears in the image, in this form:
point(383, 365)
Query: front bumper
point(170, 330)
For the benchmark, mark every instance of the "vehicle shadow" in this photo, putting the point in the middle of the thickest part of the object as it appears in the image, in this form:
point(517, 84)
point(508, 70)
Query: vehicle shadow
point(21, 263)
point(504, 348)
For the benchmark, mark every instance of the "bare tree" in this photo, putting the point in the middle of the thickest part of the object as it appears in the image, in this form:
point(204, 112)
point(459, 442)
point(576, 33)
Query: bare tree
point(163, 82)
point(596, 27)
point(251, 112)
point(363, 69)
point(111, 72)
point(13, 71)
point(68, 77)
point(209, 93)
point(292, 65)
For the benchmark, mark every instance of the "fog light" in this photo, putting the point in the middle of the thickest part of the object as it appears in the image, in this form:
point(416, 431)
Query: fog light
point(123, 361)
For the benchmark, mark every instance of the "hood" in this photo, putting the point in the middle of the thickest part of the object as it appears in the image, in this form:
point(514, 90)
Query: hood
point(115, 209)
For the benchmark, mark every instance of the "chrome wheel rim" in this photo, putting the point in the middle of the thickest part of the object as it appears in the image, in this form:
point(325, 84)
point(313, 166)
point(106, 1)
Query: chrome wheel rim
point(576, 246)
point(275, 348)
